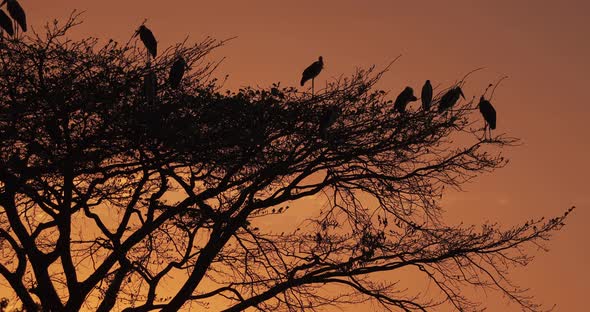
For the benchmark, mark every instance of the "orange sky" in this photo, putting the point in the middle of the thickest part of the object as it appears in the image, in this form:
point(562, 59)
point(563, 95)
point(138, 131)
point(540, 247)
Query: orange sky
point(544, 49)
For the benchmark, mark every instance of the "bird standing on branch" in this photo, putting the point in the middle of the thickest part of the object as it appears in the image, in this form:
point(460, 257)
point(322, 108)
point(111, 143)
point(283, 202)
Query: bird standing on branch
point(176, 72)
point(148, 39)
point(489, 115)
point(426, 96)
point(450, 98)
point(312, 71)
point(402, 100)
point(17, 13)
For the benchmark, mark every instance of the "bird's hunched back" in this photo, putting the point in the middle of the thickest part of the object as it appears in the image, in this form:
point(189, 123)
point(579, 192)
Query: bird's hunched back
point(426, 95)
point(449, 99)
point(312, 70)
point(149, 40)
point(402, 100)
point(488, 112)
point(176, 72)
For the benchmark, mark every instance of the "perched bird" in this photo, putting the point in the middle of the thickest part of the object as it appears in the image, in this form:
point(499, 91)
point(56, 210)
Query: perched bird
point(489, 115)
point(402, 100)
point(148, 39)
point(426, 95)
point(17, 13)
point(450, 98)
point(6, 23)
point(312, 71)
point(328, 119)
point(176, 72)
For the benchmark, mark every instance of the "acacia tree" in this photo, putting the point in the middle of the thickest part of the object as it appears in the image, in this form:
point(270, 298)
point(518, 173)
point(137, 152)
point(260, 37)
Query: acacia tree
point(112, 198)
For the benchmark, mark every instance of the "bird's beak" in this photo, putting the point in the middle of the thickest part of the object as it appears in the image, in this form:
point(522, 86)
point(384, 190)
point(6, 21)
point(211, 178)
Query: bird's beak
point(462, 95)
point(136, 33)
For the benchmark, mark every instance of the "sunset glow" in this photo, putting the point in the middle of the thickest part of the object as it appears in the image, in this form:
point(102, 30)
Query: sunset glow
point(541, 46)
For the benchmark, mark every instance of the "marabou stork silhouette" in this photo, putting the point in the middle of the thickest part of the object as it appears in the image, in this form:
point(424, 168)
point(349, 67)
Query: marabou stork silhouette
point(426, 96)
point(148, 39)
point(489, 115)
point(176, 72)
point(311, 72)
point(449, 99)
point(402, 100)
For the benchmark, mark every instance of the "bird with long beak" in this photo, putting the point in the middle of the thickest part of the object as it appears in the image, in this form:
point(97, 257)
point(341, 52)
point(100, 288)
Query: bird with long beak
point(489, 115)
point(450, 98)
point(402, 100)
point(148, 39)
point(17, 13)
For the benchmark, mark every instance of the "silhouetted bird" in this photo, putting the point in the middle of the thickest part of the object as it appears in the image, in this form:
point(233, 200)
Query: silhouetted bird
point(426, 95)
point(328, 119)
point(402, 100)
point(17, 13)
point(176, 72)
point(489, 115)
point(312, 71)
point(450, 98)
point(148, 39)
point(6, 23)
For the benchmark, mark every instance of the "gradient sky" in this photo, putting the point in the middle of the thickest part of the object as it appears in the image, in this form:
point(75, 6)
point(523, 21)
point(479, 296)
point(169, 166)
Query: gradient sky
point(543, 46)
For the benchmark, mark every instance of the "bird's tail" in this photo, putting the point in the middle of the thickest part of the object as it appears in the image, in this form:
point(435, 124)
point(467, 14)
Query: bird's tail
point(303, 80)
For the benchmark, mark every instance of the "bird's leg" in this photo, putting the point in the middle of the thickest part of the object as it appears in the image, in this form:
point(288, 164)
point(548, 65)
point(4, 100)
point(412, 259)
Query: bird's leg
point(312, 93)
point(485, 128)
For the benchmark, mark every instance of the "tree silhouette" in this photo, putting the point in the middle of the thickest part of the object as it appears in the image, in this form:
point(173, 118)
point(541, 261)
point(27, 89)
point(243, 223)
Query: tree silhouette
point(113, 201)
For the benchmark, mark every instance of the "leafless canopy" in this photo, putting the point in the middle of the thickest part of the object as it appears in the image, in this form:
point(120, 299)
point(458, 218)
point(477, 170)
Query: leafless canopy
point(110, 200)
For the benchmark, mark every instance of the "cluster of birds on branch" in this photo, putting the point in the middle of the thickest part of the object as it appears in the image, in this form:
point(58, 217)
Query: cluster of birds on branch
point(150, 80)
point(447, 101)
point(17, 13)
point(329, 117)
